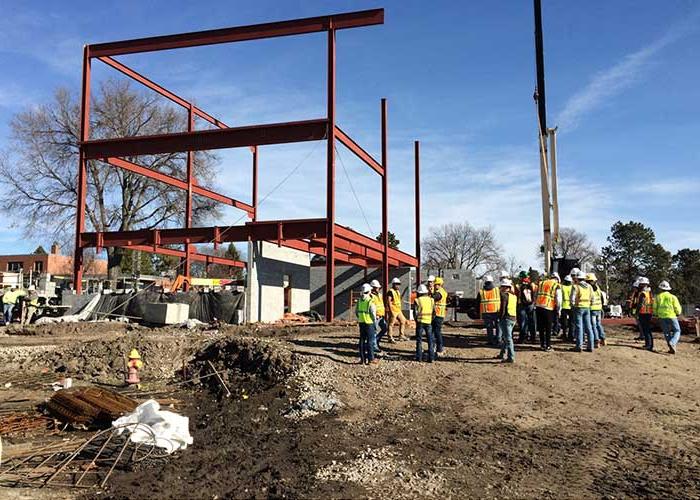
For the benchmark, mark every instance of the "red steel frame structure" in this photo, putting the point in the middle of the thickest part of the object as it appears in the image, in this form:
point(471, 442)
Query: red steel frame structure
point(322, 236)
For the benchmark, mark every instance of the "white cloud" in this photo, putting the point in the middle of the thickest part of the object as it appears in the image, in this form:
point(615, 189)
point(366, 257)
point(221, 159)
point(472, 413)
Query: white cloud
point(612, 81)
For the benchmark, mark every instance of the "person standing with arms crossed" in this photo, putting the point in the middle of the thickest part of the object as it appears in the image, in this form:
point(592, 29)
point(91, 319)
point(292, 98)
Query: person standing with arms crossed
point(489, 305)
point(506, 320)
point(566, 318)
point(597, 303)
point(366, 314)
point(378, 301)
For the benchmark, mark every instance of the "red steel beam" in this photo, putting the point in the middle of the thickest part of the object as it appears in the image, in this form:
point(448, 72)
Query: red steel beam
point(180, 184)
point(240, 33)
point(201, 257)
point(416, 157)
point(256, 231)
point(351, 235)
point(363, 155)
point(82, 176)
point(330, 181)
point(275, 133)
point(385, 200)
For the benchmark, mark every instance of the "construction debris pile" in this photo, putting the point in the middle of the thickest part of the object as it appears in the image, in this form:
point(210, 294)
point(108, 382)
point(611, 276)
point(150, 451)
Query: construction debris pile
point(89, 406)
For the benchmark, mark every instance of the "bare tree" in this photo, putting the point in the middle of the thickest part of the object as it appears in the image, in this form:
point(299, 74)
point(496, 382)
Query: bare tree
point(461, 246)
point(573, 244)
point(513, 266)
point(40, 171)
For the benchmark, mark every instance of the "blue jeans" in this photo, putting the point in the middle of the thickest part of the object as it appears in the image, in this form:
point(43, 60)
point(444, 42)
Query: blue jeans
point(491, 324)
point(672, 330)
point(367, 341)
point(420, 328)
point(526, 321)
point(507, 348)
point(597, 324)
point(7, 312)
point(583, 323)
point(383, 327)
point(645, 324)
point(437, 333)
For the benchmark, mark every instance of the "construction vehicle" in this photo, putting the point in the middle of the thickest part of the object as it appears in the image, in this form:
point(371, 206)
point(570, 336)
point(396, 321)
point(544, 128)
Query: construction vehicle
point(182, 281)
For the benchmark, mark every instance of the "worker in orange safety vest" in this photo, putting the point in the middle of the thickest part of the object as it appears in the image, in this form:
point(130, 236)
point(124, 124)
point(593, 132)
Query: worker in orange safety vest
point(489, 305)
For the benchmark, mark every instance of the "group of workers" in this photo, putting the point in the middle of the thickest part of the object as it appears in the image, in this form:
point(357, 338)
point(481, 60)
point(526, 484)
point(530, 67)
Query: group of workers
point(572, 310)
point(26, 300)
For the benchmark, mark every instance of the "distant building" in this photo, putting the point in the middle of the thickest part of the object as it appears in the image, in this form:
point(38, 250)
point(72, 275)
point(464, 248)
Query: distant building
point(52, 263)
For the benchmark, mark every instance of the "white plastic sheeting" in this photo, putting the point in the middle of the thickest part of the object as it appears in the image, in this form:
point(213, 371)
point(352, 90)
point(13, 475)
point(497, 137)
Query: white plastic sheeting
point(170, 430)
point(83, 315)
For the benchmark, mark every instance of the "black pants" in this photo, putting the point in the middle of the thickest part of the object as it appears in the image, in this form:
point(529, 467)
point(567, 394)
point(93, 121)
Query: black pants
point(566, 321)
point(544, 326)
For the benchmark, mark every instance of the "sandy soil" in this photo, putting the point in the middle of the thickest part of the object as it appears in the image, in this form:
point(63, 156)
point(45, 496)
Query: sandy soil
point(620, 422)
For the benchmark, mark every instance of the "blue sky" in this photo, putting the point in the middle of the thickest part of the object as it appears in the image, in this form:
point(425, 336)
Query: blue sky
point(622, 85)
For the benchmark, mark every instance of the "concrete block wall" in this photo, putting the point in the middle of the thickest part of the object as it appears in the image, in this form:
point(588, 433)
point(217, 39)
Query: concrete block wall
point(347, 279)
point(268, 265)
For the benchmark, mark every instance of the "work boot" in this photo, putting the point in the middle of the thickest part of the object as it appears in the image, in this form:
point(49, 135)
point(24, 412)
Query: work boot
point(671, 349)
point(602, 341)
point(597, 344)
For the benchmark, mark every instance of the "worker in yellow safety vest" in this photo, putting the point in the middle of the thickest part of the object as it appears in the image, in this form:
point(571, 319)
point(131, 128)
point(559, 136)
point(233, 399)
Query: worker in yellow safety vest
point(581, 302)
point(381, 326)
point(506, 320)
point(31, 304)
point(440, 297)
point(566, 318)
point(547, 305)
point(645, 311)
point(666, 309)
point(598, 300)
point(489, 305)
point(366, 314)
point(9, 299)
point(395, 311)
point(425, 306)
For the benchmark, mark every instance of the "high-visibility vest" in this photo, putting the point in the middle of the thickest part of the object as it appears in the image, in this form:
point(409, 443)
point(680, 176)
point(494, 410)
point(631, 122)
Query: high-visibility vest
point(512, 307)
point(363, 314)
point(546, 294)
point(10, 297)
point(490, 300)
point(597, 300)
point(583, 297)
point(395, 304)
point(634, 301)
point(426, 305)
point(666, 306)
point(378, 302)
point(441, 304)
point(566, 296)
point(648, 306)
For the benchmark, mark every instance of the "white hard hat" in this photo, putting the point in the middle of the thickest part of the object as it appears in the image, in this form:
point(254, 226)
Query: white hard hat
point(506, 282)
point(664, 285)
point(636, 283)
point(567, 277)
point(375, 284)
point(581, 275)
point(488, 278)
point(555, 275)
point(31, 288)
point(575, 271)
point(431, 278)
point(643, 281)
point(366, 288)
point(422, 289)
point(396, 281)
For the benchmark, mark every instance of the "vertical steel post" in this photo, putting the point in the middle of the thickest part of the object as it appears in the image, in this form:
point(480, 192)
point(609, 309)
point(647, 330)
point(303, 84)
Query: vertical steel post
point(385, 200)
point(554, 182)
point(539, 61)
point(82, 175)
point(330, 182)
point(416, 155)
point(188, 202)
point(255, 183)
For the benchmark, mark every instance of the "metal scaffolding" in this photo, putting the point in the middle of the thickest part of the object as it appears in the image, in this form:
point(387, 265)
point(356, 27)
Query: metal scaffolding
point(320, 236)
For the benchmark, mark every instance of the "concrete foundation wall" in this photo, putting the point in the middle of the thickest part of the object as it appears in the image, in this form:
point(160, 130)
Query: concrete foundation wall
point(347, 279)
point(268, 265)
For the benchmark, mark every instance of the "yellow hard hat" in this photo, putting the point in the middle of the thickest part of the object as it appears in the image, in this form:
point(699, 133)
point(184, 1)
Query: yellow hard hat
point(591, 277)
point(134, 354)
point(439, 280)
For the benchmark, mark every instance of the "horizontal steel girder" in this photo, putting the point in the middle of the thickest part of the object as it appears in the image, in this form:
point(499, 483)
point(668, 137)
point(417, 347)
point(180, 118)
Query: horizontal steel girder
point(180, 184)
point(353, 236)
point(255, 231)
point(363, 155)
point(240, 33)
point(256, 135)
point(201, 257)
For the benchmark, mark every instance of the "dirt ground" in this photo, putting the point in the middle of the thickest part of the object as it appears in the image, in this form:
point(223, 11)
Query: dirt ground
point(305, 420)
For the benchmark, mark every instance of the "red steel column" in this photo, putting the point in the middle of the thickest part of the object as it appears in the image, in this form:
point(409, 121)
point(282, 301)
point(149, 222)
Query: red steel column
point(385, 200)
point(188, 202)
point(255, 183)
point(82, 176)
point(330, 182)
point(416, 155)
